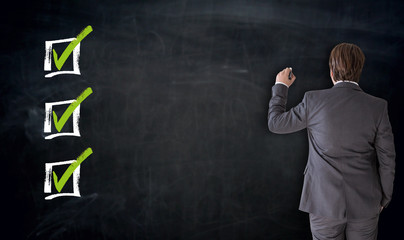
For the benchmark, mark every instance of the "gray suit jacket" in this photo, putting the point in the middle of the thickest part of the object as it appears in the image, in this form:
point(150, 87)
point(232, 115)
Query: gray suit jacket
point(351, 162)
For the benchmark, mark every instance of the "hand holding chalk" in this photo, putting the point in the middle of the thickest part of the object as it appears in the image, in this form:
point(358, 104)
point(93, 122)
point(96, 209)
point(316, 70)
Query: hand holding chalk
point(286, 77)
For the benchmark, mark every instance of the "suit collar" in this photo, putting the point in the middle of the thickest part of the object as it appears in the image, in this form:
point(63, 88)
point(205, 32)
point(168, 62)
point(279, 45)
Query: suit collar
point(347, 85)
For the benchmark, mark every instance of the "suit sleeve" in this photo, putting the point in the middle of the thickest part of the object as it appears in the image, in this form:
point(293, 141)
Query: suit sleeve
point(282, 121)
point(384, 145)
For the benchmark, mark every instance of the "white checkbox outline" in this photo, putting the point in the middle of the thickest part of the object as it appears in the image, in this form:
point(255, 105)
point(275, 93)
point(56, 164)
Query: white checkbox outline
point(48, 120)
point(48, 58)
point(48, 180)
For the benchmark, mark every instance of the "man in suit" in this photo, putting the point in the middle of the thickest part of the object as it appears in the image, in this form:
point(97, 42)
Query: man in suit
point(350, 170)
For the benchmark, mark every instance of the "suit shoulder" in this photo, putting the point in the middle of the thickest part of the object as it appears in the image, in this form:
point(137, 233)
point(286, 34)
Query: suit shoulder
point(329, 91)
point(320, 91)
point(376, 99)
point(317, 93)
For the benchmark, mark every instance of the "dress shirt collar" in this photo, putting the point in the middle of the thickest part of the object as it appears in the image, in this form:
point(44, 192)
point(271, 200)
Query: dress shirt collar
point(346, 84)
point(346, 81)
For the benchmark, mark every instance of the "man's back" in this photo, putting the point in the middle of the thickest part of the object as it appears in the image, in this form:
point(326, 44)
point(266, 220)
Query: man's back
point(344, 120)
point(351, 164)
point(343, 125)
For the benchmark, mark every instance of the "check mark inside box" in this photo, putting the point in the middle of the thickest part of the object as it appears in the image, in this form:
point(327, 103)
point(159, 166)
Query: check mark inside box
point(58, 175)
point(69, 66)
point(70, 188)
point(59, 170)
point(69, 127)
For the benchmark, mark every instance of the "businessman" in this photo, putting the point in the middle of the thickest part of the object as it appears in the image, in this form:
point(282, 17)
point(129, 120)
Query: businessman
point(350, 170)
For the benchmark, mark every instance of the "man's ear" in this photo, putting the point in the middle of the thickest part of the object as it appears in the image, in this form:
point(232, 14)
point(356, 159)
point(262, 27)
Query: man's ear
point(332, 76)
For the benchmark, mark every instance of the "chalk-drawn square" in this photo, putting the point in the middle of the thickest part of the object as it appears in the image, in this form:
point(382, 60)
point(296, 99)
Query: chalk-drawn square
point(48, 58)
point(49, 179)
point(48, 120)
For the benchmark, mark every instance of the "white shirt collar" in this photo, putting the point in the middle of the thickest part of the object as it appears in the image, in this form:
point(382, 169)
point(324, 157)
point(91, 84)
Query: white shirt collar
point(340, 81)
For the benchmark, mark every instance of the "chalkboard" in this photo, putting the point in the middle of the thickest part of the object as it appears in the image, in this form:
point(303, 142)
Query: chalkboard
point(173, 113)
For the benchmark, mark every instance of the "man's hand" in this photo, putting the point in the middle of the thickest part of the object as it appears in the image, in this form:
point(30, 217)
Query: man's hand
point(381, 209)
point(283, 77)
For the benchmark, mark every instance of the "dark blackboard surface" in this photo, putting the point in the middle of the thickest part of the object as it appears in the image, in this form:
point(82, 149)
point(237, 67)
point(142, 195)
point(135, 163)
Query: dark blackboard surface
point(177, 118)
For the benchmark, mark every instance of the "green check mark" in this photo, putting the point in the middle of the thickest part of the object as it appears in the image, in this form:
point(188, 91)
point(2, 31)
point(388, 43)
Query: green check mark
point(59, 184)
point(60, 123)
point(69, 49)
